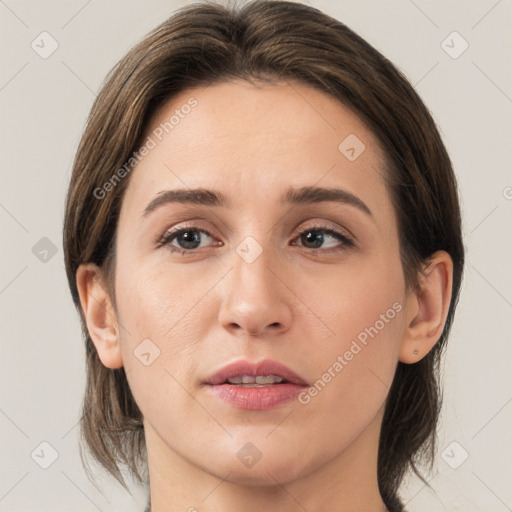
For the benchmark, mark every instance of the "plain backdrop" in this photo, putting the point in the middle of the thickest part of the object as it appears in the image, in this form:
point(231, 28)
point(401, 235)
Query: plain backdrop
point(44, 103)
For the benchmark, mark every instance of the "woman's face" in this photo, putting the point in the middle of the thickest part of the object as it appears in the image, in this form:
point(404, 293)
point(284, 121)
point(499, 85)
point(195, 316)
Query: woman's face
point(315, 285)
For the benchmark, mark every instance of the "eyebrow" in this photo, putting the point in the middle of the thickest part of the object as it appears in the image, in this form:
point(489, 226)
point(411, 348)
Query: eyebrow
point(295, 196)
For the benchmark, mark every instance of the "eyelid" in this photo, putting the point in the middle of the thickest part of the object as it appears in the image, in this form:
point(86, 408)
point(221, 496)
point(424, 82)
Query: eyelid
point(162, 239)
point(327, 225)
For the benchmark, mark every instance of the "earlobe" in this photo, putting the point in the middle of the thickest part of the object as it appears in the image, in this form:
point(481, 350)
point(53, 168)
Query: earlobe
point(427, 308)
point(99, 314)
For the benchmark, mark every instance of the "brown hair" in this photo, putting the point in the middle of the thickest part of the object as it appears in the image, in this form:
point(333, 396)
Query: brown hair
point(265, 41)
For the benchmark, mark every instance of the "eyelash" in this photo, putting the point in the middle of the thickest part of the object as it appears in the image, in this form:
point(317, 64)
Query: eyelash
point(169, 236)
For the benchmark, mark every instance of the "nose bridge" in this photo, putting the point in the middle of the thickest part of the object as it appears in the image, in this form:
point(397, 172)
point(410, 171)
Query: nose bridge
point(255, 298)
point(251, 275)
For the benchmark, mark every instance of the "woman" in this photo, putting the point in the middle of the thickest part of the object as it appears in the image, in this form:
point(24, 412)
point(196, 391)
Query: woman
point(263, 239)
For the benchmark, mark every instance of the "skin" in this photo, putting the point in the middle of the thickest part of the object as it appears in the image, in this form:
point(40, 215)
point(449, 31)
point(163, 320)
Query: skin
point(298, 305)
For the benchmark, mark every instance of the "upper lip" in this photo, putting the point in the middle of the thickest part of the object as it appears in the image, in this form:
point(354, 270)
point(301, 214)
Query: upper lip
point(264, 368)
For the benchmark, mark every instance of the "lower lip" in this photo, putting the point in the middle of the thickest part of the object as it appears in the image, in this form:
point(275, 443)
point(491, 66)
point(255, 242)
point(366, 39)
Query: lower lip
point(256, 399)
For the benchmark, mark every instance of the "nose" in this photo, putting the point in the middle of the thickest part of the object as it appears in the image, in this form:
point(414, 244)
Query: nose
point(257, 299)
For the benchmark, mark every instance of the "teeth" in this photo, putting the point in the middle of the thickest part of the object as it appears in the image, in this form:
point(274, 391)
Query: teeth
point(269, 379)
point(235, 380)
point(251, 381)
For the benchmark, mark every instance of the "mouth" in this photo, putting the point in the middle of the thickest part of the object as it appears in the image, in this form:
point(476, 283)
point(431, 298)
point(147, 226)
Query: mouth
point(255, 386)
point(259, 381)
point(264, 373)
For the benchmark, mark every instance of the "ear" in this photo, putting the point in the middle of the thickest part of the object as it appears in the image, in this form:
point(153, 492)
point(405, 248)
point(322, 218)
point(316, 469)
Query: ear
point(99, 314)
point(427, 308)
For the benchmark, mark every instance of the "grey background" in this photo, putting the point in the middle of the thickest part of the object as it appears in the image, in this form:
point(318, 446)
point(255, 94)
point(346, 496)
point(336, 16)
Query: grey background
point(44, 103)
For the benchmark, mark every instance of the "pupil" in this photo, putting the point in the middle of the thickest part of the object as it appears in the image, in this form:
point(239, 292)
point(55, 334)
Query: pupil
point(192, 239)
point(315, 239)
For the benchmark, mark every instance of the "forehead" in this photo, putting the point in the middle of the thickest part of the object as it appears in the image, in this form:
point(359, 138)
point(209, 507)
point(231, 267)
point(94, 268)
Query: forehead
point(255, 141)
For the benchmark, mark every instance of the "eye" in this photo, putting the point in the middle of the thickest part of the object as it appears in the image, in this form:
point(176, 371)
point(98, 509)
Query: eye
point(315, 236)
point(186, 240)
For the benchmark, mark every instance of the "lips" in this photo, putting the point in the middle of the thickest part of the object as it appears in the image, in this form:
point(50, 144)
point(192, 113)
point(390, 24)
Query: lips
point(255, 386)
point(265, 368)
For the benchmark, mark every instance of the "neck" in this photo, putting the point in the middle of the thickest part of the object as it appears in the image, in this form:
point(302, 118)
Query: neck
point(345, 483)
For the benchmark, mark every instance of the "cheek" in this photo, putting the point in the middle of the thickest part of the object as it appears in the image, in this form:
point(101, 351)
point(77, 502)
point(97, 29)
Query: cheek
point(359, 294)
point(159, 331)
point(355, 365)
point(161, 302)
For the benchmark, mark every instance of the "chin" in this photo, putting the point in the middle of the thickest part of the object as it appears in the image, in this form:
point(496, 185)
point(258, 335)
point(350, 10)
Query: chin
point(266, 471)
point(268, 475)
